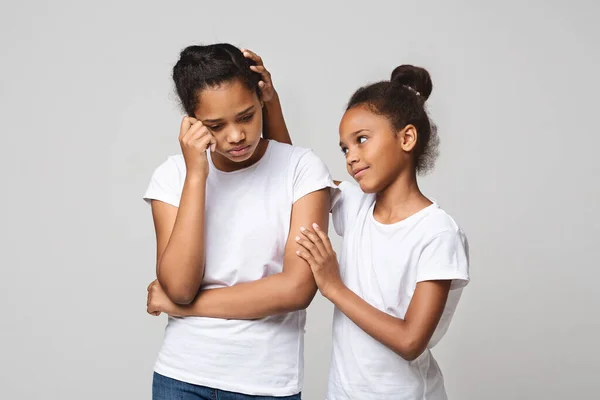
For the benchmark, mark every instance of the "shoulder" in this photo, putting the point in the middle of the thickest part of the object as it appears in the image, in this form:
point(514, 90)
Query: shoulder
point(351, 195)
point(172, 170)
point(438, 223)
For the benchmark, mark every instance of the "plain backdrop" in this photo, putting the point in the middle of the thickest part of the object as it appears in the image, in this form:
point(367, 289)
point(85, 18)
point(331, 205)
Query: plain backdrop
point(88, 111)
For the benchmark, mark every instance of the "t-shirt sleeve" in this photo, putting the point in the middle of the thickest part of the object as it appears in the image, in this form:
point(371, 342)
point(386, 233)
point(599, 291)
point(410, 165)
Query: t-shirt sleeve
point(311, 174)
point(345, 205)
point(445, 257)
point(165, 184)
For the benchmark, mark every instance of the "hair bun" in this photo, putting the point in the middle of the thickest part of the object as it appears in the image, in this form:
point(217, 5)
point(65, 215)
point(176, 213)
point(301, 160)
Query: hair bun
point(415, 78)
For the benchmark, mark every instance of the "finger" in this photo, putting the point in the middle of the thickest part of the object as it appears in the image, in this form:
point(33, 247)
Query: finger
point(185, 126)
point(324, 238)
point(264, 74)
point(316, 240)
point(196, 127)
point(196, 133)
point(308, 246)
point(253, 56)
point(207, 141)
point(152, 284)
point(307, 257)
point(152, 309)
point(184, 137)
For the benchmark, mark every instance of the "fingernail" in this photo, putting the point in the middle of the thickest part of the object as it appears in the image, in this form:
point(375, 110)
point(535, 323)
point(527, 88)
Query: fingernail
point(298, 252)
point(297, 237)
point(316, 226)
point(302, 228)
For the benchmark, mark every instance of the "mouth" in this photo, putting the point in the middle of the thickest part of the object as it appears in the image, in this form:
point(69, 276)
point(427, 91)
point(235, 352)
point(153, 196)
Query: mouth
point(239, 151)
point(359, 172)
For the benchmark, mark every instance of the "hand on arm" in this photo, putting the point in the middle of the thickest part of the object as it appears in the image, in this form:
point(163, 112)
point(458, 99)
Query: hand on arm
point(407, 337)
point(291, 290)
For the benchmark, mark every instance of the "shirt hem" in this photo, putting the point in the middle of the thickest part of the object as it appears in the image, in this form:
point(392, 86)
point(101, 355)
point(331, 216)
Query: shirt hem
point(216, 384)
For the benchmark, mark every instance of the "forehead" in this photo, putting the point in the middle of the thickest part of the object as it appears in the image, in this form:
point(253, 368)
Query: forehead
point(224, 101)
point(361, 118)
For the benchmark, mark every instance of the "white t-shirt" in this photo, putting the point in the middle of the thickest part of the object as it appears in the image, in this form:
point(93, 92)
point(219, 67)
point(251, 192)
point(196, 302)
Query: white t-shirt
point(382, 264)
point(247, 224)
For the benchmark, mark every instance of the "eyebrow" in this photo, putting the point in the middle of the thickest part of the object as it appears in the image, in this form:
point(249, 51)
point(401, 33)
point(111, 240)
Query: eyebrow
point(247, 110)
point(354, 134)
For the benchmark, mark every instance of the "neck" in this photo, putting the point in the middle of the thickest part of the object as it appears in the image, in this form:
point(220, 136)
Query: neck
point(400, 199)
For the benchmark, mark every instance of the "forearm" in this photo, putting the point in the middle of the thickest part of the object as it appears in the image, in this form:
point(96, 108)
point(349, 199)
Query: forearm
point(392, 332)
point(273, 121)
point(181, 267)
point(275, 294)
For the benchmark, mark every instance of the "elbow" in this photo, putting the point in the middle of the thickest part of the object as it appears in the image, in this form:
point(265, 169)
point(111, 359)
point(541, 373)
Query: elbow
point(178, 293)
point(182, 298)
point(300, 295)
point(410, 349)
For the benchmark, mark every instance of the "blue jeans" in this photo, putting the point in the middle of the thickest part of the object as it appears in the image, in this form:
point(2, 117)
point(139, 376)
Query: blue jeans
point(164, 388)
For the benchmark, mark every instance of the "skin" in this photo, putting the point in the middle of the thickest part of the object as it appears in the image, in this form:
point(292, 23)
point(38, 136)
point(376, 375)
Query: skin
point(228, 118)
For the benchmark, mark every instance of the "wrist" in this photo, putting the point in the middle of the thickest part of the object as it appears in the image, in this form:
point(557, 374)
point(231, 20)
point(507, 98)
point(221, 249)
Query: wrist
point(334, 291)
point(196, 177)
point(274, 100)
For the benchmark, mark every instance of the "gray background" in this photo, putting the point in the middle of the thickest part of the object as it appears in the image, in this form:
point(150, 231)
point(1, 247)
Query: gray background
point(88, 111)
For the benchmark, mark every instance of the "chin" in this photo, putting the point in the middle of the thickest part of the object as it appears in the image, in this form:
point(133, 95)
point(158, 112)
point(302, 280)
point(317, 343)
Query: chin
point(369, 186)
point(366, 187)
point(240, 159)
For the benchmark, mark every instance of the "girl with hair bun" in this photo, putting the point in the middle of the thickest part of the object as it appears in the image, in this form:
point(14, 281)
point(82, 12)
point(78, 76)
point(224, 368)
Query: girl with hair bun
point(404, 260)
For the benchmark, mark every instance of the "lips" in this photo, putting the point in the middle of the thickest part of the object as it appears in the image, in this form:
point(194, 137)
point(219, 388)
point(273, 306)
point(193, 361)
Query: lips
point(358, 172)
point(240, 150)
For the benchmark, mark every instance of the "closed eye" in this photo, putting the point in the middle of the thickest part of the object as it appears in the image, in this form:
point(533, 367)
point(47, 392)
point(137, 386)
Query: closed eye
point(247, 118)
point(216, 128)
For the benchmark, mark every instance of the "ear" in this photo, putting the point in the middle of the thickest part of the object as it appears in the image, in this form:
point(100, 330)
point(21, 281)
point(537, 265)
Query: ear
point(408, 138)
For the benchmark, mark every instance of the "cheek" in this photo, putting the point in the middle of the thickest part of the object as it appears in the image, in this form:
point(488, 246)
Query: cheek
point(257, 124)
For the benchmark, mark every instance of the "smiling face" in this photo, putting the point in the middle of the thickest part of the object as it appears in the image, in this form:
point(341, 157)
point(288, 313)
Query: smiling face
point(233, 114)
point(375, 154)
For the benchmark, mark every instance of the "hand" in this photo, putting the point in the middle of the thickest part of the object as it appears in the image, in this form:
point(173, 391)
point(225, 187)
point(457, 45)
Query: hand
point(158, 301)
point(267, 90)
point(195, 139)
point(319, 254)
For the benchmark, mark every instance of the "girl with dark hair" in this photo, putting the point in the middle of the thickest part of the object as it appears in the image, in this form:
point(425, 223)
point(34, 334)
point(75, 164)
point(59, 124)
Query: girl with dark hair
point(227, 271)
point(404, 260)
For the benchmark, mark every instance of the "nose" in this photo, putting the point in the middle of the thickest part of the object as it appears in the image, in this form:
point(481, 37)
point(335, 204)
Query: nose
point(236, 135)
point(352, 157)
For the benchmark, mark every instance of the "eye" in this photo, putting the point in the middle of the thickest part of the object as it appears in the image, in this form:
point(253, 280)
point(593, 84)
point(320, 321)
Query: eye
point(344, 150)
point(215, 128)
point(247, 118)
point(361, 139)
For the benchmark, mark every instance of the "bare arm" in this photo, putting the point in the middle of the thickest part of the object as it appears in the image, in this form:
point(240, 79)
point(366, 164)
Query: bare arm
point(274, 126)
point(407, 337)
point(291, 290)
point(180, 231)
